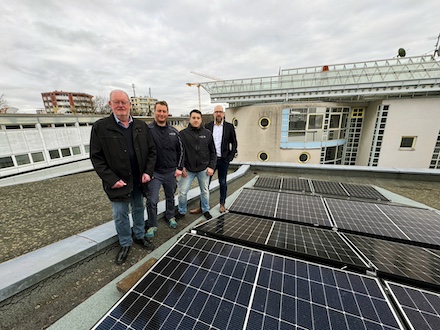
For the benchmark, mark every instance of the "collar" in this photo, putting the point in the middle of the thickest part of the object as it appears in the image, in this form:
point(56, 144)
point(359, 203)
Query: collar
point(120, 122)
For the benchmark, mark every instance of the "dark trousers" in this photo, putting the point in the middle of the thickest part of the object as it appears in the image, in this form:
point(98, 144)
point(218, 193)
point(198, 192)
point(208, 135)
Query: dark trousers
point(222, 169)
point(169, 183)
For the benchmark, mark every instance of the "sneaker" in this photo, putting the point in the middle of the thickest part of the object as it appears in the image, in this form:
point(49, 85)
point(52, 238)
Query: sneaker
point(172, 222)
point(207, 215)
point(179, 216)
point(150, 232)
point(145, 243)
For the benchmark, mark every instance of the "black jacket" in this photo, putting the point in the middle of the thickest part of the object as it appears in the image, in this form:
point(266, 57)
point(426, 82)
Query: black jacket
point(110, 159)
point(169, 148)
point(229, 140)
point(199, 148)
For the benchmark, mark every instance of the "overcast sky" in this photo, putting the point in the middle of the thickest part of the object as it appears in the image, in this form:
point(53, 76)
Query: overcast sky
point(95, 46)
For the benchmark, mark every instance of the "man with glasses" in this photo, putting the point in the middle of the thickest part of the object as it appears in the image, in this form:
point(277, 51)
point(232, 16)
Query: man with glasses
point(225, 141)
point(123, 154)
point(169, 166)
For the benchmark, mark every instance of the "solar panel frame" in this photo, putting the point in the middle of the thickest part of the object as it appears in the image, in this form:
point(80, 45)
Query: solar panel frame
point(303, 209)
point(362, 217)
point(268, 182)
point(306, 242)
point(420, 225)
point(400, 261)
point(202, 283)
point(296, 184)
point(257, 202)
point(420, 308)
point(329, 188)
point(363, 192)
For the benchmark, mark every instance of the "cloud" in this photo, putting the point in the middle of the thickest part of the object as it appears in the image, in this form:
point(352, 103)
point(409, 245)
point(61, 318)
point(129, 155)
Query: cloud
point(96, 46)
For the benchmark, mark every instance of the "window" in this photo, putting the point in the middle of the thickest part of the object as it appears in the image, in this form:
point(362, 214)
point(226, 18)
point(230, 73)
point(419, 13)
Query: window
point(235, 122)
point(37, 157)
point(76, 150)
point(22, 159)
point(264, 157)
point(54, 154)
point(304, 157)
point(6, 162)
point(407, 142)
point(315, 121)
point(65, 152)
point(264, 122)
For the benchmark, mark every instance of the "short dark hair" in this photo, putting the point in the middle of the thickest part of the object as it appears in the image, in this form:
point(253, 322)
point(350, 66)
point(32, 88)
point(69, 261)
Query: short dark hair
point(161, 103)
point(196, 111)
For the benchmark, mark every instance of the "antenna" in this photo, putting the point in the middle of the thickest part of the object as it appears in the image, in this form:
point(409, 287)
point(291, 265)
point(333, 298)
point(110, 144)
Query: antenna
point(437, 48)
point(134, 92)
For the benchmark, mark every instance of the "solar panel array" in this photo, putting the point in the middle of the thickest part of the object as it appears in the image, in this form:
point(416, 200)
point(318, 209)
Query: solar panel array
point(272, 263)
point(303, 241)
point(327, 188)
point(202, 283)
point(279, 205)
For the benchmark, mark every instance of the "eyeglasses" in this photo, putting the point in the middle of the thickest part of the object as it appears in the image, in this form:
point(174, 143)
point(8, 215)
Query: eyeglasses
point(120, 102)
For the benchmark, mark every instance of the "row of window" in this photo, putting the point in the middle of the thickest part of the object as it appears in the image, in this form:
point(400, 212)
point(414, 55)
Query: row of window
point(33, 126)
point(302, 158)
point(37, 157)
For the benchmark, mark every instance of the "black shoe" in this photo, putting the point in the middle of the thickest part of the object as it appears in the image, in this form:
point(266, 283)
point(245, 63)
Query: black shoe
point(207, 215)
point(145, 243)
point(122, 255)
point(179, 216)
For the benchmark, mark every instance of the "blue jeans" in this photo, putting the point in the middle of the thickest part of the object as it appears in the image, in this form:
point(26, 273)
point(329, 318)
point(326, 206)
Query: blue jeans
point(122, 221)
point(185, 184)
point(169, 183)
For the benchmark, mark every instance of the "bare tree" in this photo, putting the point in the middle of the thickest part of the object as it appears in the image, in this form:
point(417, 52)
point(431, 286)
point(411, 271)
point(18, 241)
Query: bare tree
point(100, 105)
point(3, 102)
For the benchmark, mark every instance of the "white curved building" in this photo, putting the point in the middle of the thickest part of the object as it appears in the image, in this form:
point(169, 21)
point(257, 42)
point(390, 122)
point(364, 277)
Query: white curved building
point(378, 113)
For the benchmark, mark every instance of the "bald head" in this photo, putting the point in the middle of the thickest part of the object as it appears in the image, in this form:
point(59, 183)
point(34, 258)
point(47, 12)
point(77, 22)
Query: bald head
point(219, 114)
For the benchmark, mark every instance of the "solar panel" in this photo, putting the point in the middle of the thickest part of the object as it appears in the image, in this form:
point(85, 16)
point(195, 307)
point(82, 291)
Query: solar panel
point(295, 184)
point(420, 308)
point(308, 242)
point(302, 208)
point(363, 191)
point(268, 182)
point(257, 202)
point(419, 225)
point(328, 188)
point(399, 260)
point(203, 283)
point(363, 218)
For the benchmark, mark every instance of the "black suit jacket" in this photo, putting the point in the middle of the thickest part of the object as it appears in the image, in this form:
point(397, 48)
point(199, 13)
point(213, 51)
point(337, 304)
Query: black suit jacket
point(229, 140)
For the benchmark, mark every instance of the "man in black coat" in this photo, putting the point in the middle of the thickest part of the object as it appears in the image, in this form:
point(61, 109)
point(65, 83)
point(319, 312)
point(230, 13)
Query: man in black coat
point(123, 154)
point(200, 159)
point(225, 141)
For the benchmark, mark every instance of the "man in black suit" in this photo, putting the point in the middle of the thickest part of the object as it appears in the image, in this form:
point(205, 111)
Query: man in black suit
point(225, 142)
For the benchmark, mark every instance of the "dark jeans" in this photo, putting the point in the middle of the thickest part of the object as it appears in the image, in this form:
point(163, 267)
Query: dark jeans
point(169, 183)
point(222, 168)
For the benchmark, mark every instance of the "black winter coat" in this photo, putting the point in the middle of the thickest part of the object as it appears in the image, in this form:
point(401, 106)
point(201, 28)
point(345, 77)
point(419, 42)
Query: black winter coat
point(110, 159)
point(169, 147)
point(199, 148)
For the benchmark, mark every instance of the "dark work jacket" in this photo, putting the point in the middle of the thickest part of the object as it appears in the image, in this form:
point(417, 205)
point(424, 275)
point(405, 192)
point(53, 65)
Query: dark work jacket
point(110, 158)
point(199, 148)
point(229, 140)
point(169, 148)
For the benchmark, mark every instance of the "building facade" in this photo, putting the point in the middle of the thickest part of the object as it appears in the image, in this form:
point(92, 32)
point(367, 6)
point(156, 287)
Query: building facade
point(142, 105)
point(60, 102)
point(378, 113)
